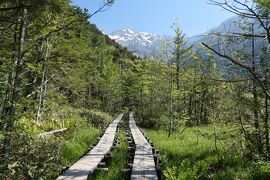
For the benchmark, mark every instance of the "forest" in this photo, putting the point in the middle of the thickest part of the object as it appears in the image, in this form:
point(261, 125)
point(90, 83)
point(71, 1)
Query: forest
point(205, 109)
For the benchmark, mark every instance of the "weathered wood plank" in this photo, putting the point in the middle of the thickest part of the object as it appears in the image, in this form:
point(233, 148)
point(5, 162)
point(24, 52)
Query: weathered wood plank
point(143, 164)
point(88, 163)
point(52, 132)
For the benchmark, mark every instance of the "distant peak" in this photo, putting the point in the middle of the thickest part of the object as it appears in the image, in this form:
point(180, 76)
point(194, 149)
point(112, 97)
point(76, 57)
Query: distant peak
point(128, 30)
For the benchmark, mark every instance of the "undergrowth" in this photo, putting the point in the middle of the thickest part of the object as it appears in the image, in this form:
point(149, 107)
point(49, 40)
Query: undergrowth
point(78, 145)
point(209, 152)
point(43, 157)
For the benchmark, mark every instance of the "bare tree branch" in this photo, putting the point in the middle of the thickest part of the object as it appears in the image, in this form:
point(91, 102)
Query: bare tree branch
point(249, 69)
point(251, 35)
point(237, 10)
point(104, 7)
point(228, 81)
point(45, 82)
point(10, 8)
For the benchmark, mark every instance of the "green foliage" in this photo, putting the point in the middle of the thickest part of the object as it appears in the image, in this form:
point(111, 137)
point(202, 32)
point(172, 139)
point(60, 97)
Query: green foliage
point(80, 142)
point(64, 72)
point(194, 154)
point(33, 158)
point(27, 126)
point(263, 3)
point(97, 118)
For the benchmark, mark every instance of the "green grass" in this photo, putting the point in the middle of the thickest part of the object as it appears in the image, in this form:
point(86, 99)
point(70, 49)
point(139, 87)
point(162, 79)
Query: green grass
point(195, 154)
point(78, 144)
point(81, 135)
point(116, 164)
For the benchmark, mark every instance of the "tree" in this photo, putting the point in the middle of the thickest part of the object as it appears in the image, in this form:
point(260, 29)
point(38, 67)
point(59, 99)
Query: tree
point(29, 29)
point(248, 62)
point(180, 50)
point(264, 3)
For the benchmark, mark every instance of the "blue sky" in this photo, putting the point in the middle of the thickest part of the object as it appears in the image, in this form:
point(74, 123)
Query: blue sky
point(157, 16)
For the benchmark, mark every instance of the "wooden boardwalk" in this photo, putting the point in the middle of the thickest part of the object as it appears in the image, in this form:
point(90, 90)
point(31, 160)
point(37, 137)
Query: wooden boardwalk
point(143, 164)
point(88, 163)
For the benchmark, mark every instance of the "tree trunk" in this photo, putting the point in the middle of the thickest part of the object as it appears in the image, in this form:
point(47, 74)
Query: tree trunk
point(190, 105)
point(178, 72)
point(142, 102)
point(8, 91)
point(202, 108)
point(255, 99)
point(43, 86)
point(266, 121)
point(10, 110)
point(151, 104)
point(171, 104)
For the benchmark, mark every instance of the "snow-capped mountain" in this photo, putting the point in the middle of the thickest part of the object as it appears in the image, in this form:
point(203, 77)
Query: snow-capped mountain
point(141, 43)
point(146, 44)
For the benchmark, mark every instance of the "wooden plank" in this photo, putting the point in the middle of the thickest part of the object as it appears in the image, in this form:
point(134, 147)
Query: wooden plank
point(88, 163)
point(52, 132)
point(143, 164)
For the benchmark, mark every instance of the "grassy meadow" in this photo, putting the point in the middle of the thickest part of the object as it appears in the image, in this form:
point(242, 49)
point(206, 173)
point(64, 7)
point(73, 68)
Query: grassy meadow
point(75, 147)
point(206, 152)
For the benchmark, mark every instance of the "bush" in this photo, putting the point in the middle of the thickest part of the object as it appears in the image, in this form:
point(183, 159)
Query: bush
point(97, 118)
point(28, 126)
point(33, 158)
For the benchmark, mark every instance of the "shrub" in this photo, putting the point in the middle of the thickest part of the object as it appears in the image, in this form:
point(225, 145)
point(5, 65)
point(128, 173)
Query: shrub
point(33, 158)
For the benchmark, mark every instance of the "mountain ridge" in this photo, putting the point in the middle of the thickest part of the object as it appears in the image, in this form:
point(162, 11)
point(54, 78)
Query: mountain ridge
point(145, 44)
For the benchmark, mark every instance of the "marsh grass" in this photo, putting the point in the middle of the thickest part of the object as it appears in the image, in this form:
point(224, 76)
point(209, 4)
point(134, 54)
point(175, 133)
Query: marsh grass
point(75, 147)
point(208, 152)
point(82, 134)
